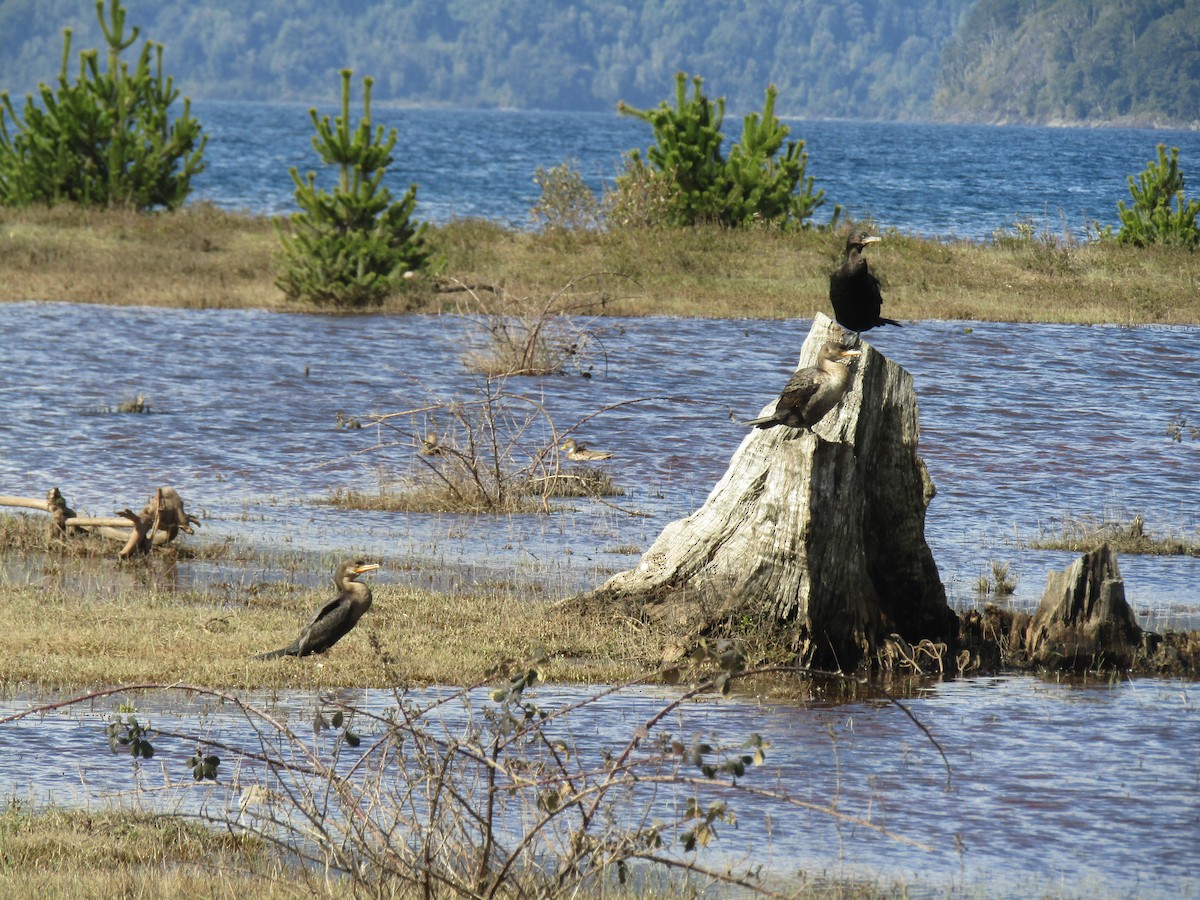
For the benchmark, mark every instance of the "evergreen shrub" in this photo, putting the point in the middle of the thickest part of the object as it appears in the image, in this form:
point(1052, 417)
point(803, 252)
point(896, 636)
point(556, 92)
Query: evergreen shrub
point(105, 139)
point(351, 247)
point(699, 184)
point(1152, 219)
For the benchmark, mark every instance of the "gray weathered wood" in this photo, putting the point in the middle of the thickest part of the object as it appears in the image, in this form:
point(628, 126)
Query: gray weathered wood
point(159, 522)
point(1083, 620)
point(819, 536)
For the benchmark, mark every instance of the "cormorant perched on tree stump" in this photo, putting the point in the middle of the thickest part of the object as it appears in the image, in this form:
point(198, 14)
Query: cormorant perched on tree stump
point(335, 619)
point(817, 538)
point(854, 291)
point(813, 391)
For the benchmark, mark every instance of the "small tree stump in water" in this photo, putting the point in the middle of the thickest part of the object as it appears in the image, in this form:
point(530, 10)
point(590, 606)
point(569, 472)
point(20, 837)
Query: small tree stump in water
point(817, 537)
point(1083, 620)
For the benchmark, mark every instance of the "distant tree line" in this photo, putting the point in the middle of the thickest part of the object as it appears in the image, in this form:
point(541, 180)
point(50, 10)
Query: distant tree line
point(977, 60)
point(1074, 61)
point(854, 59)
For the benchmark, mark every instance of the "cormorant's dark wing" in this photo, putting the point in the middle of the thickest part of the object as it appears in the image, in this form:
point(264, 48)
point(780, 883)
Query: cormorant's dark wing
point(855, 297)
point(799, 390)
point(329, 622)
point(795, 398)
point(326, 610)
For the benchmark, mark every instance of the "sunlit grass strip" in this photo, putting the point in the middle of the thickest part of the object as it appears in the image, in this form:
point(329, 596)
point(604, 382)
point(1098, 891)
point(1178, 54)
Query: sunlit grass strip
point(110, 853)
point(206, 257)
point(55, 636)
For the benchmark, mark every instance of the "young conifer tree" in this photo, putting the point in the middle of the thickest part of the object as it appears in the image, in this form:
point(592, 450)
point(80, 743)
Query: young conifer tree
point(700, 184)
point(1161, 213)
point(353, 246)
point(105, 139)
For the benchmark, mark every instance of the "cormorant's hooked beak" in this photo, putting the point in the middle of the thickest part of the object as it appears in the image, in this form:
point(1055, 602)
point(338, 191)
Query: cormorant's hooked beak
point(365, 567)
point(871, 239)
point(846, 353)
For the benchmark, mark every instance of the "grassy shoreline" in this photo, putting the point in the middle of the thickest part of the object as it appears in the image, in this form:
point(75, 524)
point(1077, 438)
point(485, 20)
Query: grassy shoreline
point(58, 639)
point(203, 257)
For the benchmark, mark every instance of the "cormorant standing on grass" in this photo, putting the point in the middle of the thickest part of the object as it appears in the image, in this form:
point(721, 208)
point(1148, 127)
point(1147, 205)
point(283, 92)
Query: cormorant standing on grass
point(812, 392)
point(335, 619)
point(854, 291)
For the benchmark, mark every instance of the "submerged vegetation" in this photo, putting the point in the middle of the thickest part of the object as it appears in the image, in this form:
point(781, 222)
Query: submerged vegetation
point(1125, 536)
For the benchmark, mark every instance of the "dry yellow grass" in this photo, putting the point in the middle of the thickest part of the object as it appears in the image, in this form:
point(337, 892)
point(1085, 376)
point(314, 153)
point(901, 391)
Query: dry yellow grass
point(54, 638)
point(88, 853)
point(205, 257)
point(199, 257)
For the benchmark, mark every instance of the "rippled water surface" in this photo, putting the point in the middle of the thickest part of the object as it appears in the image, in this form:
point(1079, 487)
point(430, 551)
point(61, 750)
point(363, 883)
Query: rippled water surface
point(1070, 790)
point(1047, 789)
point(1022, 425)
point(926, 179)
point(1055, 789)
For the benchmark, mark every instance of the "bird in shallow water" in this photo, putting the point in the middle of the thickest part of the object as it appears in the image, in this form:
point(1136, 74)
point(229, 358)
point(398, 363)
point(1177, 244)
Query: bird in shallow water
point(334, 620)
point(579, 453)
point(811, 393)
point(854, 291)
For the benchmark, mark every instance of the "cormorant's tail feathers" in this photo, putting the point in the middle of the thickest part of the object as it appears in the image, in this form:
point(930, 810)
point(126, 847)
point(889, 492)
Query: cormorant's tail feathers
point(763, 421)
point(275, 654)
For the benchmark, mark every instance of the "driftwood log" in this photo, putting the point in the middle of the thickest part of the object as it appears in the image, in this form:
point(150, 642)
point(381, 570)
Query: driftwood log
point(159, 522)
point(1083, 620)
point(819, 537)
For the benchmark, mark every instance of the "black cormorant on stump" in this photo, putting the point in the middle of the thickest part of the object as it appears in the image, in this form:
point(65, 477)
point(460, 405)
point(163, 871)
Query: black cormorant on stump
point(335, 619)
point(854, 291)
point(817, 537)
point(813, 391)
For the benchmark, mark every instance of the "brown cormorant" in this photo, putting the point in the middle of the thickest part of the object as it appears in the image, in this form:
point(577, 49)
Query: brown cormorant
point(335, 619)
point(812, 392)
point(580, 453)
point(854, 291)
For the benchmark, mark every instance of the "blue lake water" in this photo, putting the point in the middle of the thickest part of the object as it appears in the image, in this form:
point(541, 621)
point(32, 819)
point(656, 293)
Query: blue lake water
point(1046, 790)
point(1015, 443)
point(933, 180)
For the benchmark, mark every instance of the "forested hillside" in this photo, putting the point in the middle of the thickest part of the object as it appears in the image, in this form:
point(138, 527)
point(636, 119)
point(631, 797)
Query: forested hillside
point(989, 60)
point(1065, 61)
point(860, 58)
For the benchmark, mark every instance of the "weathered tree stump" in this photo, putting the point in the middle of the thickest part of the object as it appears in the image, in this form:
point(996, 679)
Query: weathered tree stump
point(1083, 620)
point(818, 536)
